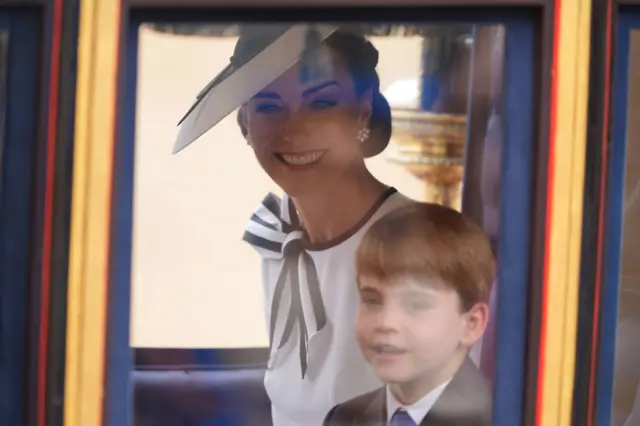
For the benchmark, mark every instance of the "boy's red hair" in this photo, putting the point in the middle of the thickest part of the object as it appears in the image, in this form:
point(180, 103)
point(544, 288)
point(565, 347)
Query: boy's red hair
point(430, 240)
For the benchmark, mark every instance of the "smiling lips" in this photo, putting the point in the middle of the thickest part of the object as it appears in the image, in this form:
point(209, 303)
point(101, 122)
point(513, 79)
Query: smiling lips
point(300, 159)
point(388, 350)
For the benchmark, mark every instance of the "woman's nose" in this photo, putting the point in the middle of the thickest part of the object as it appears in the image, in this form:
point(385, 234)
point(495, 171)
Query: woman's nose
point(293, 128)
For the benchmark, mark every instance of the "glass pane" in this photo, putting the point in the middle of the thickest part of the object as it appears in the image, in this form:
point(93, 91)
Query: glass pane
point(197, 284)
point(627, 369)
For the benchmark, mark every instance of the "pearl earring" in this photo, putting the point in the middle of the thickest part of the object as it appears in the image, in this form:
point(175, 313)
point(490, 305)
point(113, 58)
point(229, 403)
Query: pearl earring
point(363, 134)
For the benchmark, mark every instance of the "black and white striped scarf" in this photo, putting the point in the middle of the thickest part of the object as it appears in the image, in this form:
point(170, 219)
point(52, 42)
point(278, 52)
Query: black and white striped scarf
point(276, 232)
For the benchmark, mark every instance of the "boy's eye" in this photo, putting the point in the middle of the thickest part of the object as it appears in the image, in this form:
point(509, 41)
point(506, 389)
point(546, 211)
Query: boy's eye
point(370, 300)
point(418, 305)
point(268, 108)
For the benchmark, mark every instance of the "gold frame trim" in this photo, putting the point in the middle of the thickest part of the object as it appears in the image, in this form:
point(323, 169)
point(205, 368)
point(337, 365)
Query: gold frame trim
point(98, 48)
point(567, 171)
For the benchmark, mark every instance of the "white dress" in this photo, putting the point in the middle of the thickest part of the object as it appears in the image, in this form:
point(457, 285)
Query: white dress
point(315, 362)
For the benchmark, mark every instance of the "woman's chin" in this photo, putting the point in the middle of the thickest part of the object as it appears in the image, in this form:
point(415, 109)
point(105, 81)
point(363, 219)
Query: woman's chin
point(300, 187)
point(303, 182)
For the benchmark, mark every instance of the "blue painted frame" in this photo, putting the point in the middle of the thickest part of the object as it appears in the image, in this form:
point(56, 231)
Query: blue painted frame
point(628, 20)
point(516, 204)
point(17, 168)
point(119, 355)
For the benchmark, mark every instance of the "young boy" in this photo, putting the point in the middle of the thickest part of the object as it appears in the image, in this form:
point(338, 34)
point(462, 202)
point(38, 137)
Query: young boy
point(424, 277)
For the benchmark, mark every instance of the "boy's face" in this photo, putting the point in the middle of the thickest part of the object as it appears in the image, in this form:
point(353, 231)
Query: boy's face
point(412, 331)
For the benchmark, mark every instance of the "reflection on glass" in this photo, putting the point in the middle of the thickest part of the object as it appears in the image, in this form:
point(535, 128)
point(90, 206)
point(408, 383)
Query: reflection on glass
point(627, 368)
point(4, 52)
point(196, 284)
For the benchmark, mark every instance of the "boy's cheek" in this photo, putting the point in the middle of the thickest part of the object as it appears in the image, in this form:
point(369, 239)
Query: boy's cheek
point(363, 330)
point(361, 337)
point(360, 332)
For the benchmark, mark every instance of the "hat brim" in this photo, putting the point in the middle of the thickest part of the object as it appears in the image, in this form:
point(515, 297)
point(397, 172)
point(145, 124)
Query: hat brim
point(236, 85)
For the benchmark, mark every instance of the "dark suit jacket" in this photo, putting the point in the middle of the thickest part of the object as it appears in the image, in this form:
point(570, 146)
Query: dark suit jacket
point(466, 401)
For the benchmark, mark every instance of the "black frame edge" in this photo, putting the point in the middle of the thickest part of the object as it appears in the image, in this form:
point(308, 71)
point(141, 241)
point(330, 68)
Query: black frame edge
point(61, 215)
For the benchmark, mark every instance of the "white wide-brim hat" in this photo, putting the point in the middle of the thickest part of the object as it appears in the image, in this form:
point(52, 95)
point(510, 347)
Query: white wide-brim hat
point(262, 54)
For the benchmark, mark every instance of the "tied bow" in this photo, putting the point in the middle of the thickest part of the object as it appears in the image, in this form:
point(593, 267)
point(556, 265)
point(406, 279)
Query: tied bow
point(275, 231)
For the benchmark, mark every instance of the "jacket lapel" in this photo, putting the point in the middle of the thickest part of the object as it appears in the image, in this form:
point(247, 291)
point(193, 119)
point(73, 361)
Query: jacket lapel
point(463, 402)
point(376, 413)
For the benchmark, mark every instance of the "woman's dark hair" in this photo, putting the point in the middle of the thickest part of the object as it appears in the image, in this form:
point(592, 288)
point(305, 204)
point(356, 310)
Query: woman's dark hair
point(361, 59)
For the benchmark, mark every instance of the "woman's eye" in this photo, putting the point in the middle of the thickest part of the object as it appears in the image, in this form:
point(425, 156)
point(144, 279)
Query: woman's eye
point(323, 103)
point(268, 108)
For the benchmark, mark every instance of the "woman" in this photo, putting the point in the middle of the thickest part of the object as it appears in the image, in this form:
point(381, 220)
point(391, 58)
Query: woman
point(311, 129)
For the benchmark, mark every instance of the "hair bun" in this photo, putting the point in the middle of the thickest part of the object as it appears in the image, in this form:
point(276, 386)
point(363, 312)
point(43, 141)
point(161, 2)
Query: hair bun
point(371, 55)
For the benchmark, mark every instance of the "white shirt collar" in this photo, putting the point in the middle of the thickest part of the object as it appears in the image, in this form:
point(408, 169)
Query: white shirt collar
point(418, 410)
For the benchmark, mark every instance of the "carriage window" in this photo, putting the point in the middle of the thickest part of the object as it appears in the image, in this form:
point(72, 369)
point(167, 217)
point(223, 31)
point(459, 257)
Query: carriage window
point(205, 237)
point(626, 404)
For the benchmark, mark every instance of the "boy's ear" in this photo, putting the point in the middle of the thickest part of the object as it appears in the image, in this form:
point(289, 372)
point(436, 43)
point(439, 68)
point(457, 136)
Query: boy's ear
point(475, 323)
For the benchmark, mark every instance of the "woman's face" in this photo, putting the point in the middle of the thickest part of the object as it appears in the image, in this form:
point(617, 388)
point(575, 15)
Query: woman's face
point(305, 135)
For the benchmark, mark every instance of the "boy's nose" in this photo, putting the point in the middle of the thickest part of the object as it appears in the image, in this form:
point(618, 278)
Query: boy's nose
point(388, 319)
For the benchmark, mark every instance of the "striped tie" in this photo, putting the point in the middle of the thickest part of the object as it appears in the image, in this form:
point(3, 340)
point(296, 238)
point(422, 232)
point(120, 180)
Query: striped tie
point(402, 418)
point(275, 232)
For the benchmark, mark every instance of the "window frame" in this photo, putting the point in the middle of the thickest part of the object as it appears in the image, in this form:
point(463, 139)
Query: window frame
point(119, 365)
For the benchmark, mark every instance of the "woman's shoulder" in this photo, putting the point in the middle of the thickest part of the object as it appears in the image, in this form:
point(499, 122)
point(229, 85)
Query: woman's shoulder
point(394, 201)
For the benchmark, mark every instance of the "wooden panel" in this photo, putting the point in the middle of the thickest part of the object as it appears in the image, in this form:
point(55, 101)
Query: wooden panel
point(92, 178)
point(564, 211)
